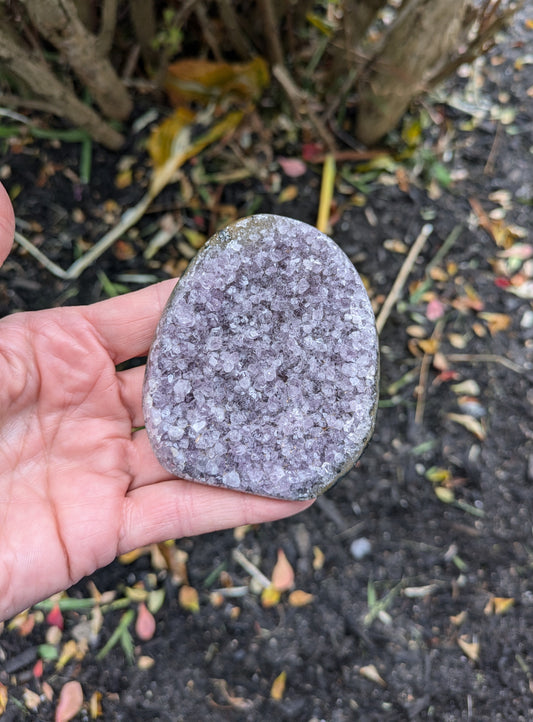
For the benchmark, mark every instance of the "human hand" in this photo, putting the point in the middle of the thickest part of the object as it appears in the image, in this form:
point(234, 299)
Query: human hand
point(77, 486)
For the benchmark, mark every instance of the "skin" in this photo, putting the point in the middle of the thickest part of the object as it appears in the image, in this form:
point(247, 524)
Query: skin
point(77, 486)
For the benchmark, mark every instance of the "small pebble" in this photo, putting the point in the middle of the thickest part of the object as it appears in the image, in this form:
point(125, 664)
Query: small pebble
point(360, 548)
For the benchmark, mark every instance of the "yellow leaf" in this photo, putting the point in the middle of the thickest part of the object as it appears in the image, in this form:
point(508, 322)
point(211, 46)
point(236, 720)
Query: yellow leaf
point(471, 649)
point(445, 495)
point(437, 475)
point(429, 346)
point(188, 599)
point(458, 619)
point(283, 573)
point(95, 705)
point(270, 597)
point(3, 698)
point(498, 605)
point(318, 558)
point(173, 149)
point(299, 598)
point(130, 557)
point(70, 650)
point(278, 686)
point(204, 81)
point(288, 194)
point(371, 673)
point(412, 132)
point(496, 321)
point(163, 136)
point(470, 423)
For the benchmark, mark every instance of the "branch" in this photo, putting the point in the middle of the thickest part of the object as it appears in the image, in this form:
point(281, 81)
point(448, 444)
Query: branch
point(401, 278)
point(55, 96)
point(59, 22)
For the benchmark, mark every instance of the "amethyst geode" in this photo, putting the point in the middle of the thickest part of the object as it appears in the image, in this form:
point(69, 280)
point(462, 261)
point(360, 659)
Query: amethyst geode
point(263, 373)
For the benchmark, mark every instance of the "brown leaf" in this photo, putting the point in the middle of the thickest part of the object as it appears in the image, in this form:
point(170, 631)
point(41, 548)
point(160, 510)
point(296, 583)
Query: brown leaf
point(283, 573)
point(70, 701)
point(278, 686)
point(194, 80)
point(496, 321)
point(188, 599)
point(299, 598)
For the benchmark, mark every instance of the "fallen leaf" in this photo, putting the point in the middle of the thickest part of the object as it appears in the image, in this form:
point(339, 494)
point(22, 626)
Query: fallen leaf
point(155, 600)
point(457, 340)
point(283, 573)
point(188, 599)
point(70, 701)
point(194, 80)
point(498, 605)
point(471, 649)
point(429, 346)
point(144, 662)
point(444, 494)
point(371, 673)
point(54, 618)
point(3, 698)
point(69, 651)
point(416, 331)
point(288, 194)
point(278, 686)
point(469, 423)
point(318, 558)
point(95, 705)
point(458, 619)
point(496, 321)
point(299, 598)
point(239, 703)
point(293, 167)
point(37, 670)
point(47, 691)
point(468, 386)
point(145, 623)
point(438, 475)
point(270, 597)
point(525, 290)
point(435, 309)
point(31, 700)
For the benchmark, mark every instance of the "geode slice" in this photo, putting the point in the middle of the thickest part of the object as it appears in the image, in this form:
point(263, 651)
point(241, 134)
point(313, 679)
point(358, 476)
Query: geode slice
point(263, 373)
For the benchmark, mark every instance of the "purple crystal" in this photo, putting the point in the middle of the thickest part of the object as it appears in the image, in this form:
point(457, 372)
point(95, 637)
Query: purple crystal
point(263, 373)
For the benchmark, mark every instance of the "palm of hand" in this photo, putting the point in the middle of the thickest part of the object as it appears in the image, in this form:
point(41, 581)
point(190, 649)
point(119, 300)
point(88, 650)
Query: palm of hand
point(77, 486)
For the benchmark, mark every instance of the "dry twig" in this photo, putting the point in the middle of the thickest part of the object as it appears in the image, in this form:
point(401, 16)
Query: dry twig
point(402, 276)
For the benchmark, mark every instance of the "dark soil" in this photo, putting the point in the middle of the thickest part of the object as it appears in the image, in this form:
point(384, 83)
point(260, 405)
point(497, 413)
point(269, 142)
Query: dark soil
point(419, 608)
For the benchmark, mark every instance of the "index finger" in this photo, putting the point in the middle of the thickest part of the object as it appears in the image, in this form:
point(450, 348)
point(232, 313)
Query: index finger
point(126, 324)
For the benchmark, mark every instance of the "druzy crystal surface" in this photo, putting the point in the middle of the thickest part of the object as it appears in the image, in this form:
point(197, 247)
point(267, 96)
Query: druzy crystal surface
point(263, 373)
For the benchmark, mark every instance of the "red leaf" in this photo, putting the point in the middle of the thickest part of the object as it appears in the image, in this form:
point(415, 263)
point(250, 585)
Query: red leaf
point(54, 618)
point(502, 282)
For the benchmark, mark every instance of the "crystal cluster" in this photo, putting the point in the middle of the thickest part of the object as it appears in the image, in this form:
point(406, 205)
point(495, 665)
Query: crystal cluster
point(263, 373)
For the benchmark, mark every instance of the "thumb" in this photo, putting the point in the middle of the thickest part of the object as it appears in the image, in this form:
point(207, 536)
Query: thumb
point(7, 224)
